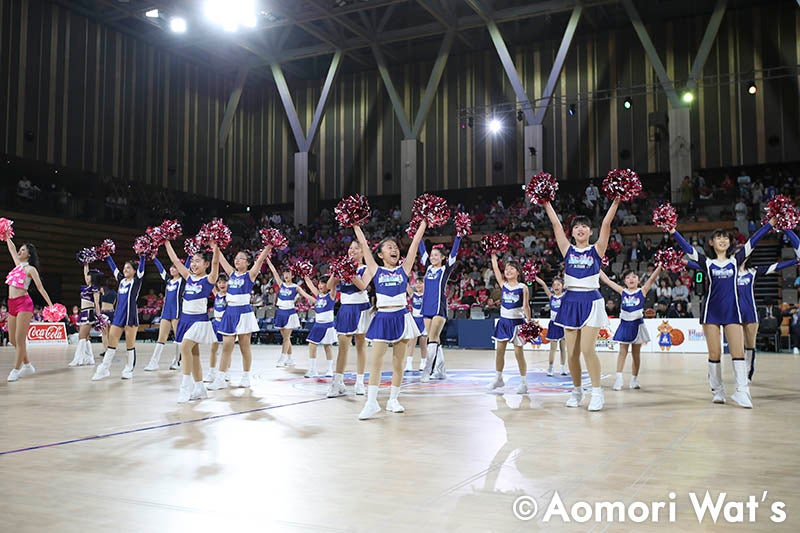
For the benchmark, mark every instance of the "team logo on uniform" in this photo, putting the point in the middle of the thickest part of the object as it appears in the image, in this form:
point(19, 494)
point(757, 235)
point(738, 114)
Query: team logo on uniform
point(391, 279)
point(580, 261)
point(193, 289)
point(723, 273)
point(631, 301)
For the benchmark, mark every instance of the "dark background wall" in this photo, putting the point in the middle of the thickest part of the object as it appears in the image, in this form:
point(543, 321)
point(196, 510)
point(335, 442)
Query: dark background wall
point(104, 102)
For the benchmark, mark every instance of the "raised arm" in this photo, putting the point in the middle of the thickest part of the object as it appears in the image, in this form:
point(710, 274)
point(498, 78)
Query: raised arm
point(423, 254)
point(544, 286)
point(34, 274)
point(12, 249)
point(526, 302)
point(176, 262)
point(558, 229)
point(274, 271)
point(226, 266)
point(161, 270)
point(747, 249)
point(691, 252)
point(372, 265)
point(496, 268)
point(212, 278)
point(605, 228)
point(454, 252)
point(408, 264)
point(775, 267)
point(792, 236)
point(255, 270)
point(304, 294)
point(652, 279)
point(140, 268)
point(96, 297)
point(614, 286)
point(87, 279)
point(113, 266)
point(310, 285)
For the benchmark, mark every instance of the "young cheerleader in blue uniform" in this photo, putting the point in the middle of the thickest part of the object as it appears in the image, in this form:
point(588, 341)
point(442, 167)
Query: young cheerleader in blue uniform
point(169, 314)
point(555, 333)
point(632, 330)
point(323, 333)
point(90, 308)
point(721, 308)
point(515, 309)
point(582, 311)
point(286, 319)
point(392, 323)
point(126, 317)
point(220, 304)
point(416, 295)
point(434, 304)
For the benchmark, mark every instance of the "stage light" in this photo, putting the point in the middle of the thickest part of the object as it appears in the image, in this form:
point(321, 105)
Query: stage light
point(152, 14)
point(627, 104)
point(495, 126)
point(688, 97)
point(571, 110)
point(231, 14)
point(177, 25)
point(752, 88)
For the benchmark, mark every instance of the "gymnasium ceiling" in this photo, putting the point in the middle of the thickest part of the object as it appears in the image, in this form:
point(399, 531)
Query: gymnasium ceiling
point(301, 35)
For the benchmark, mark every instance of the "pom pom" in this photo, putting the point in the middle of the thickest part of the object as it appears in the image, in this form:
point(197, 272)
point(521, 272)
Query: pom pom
point(531, 269)
point(665, 217)
point(495, 244)
point(670, 259)
point(54, 313)
point(413, 226)
point(215, 231)
point(107, 248)
point(529, 331)
point(302, 269)
point(192, 245)
point(353, 211)
point(542, 188)
point(343, 268)
point(622, 184)
point(782, 208)
point(86, 256)
point(463, 223)
point(170, 230)
point(144, 245)
point(102, 323)
point(604, 262)
point(6, 229)
point(432, 209)
point(274, 238)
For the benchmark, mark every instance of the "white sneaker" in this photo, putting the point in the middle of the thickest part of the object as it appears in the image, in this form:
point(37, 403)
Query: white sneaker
point(563, 371)
point(370, 409)
point(127, 374)
point(634, 384)
point(152, 366)
point(227, 376)
point(439, 373)
point(742, 399)
point(796, 351)
point(281, 361)
point(27, 370)
point(498, 383)
point(175, 365)
point(88, 360)
point(619, 383)
point(409, 367)
point(13, 375)
point(218, 383)
point(360, 389)
point(185, 394)
point(522, 389)
point(199, 392)
point(425, 377)
point(575, 398)
point(77, 360)
point(393, 406)
point(101, 372)
point(329, 372)
point(245, 382)
point(210, 376)
point(719, 396)
point(311, 373)
point(336, 389)
point(550, 370)
point(289, 361)
point(597, 402)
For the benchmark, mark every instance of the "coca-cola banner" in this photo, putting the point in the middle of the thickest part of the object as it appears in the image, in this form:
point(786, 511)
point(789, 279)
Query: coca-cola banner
point(47, 333)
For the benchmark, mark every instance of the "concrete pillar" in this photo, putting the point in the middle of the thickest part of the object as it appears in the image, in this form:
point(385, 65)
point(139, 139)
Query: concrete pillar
point(410, 174)
point(533, 158)
point(305, 187)
point(680, 151)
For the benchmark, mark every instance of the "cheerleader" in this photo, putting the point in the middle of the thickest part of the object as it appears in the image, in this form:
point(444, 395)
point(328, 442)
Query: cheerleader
point(169, 314)
point(434, 304)
point(220, 303)
point(108, 301)
point(582, 311)
point(194, 328)
point(416, 295)
point(239, 321)
point(324, 332)
point(555, 333)
point(352, 321)
point(515, 309)
point(286, 319)
point(632, 330)
point(20, 304)
point(126, 317)
point(721, 308)
point(392, 322)
point(89, 309)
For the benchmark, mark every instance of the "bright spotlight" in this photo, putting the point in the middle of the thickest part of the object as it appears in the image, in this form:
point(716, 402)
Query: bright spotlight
point(152, 14)
point(627, 103)
point(231, 14)
point(495, 126)
point(688, 97)
point(178, 25)
point(752, 88)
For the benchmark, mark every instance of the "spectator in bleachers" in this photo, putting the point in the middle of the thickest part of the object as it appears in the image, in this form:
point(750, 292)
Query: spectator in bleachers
point(664, 290)
point(680, 293)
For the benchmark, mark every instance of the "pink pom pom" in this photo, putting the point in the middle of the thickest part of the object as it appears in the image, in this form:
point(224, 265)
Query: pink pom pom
point(495, 244)
point(353, 211)
point(665, 217)
point(144, 245)
point(782, 208)
point(54, 313)
point(343, 268)
point(604, 262)
point(302, 269)
point(274, 238)
point(413, 226)
point(86, 256)
point(171, 230)
point(670, 259)
point(531, 269)
point(463, 223)
point(6, 229)
point(302, 305)
point(622, 184)
point(102, 323)
point(192, 245)
point(529, 331)
point(107, 248)
point(542, 188)
point(432, 209)
point(215, 231)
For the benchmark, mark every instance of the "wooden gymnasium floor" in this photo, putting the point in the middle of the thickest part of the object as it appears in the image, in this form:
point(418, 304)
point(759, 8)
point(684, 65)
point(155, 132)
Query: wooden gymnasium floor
point(123, 456)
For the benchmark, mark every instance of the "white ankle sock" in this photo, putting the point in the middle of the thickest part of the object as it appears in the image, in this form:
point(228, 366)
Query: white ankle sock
point(597, 390)
point(394, 392)
point(372, 393)
point(498, 374)
point(186, 380)
point(359, 379)
point(338, 378)
point(523, 379)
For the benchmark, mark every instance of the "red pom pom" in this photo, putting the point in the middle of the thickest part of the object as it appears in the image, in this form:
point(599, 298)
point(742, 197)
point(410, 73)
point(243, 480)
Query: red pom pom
point(604, 262)
point(782, 208)
point(531, 269)
point(353, 211)
point(622, 184)
point(102, 323)
point(144, 245)
point(495, 244)
point(302, 269)
point(107, 248)
point(192, 245)
point(274, 238)
point(432, 209)
point(529, 331)
point(542, 188)
point(463, 223)
point(665, 217)
point(6, 229)
point(215, 231)
point(54, 313)
point(86, 256)
point(670, 259)
point(171, 230)
point(413, 226)
point(343, 268)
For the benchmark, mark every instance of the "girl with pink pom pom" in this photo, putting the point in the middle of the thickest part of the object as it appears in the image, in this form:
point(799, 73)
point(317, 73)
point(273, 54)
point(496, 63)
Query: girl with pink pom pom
point(286, 319)
point(323, 333)
point(20, 304)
